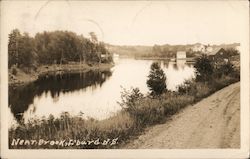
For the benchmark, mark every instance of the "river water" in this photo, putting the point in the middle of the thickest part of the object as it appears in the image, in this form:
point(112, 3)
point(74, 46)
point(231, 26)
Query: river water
point(91, 94)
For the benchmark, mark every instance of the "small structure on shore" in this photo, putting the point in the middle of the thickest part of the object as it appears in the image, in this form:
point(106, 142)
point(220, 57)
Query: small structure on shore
point(218, 54)
point(181, 55)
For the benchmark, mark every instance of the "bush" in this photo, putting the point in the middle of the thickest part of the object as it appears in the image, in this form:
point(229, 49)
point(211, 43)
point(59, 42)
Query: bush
point(149, 111)
point(232, 52)
point(14, 70)
point(202, 90)
point(225, 80)
point(196, 89)
point(143, 110)
point(174, 102)
point(224, 68)
point(130, 98)
point(187, 87)
point(156, 80)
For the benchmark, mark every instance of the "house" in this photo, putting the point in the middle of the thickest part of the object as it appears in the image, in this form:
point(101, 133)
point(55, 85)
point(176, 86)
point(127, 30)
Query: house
point(181, 55)
point(202, 48)
point(198, 48)
point(218, 54)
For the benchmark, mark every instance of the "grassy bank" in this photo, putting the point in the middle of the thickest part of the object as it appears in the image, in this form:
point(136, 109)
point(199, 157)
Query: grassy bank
point(21, 76)
point(78, 133)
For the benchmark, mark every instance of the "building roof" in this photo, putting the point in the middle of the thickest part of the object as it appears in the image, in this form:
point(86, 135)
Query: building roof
point(181, 52)
point(215, 51)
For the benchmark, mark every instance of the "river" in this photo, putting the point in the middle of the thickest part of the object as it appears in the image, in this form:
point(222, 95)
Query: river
point(92, 94)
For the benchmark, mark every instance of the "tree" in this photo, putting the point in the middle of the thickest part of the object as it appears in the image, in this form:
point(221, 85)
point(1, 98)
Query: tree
point(157, 50)
point(203, 68)
point(93, 37)
point(13, 48)
point(156, 80)
point(21, 49)
point(54, 47)
point(26, 51)
point(232, 52)
point(43, 47)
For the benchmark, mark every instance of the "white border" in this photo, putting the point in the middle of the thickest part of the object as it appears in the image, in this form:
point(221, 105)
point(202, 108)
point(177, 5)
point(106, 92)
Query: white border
point(243, 152)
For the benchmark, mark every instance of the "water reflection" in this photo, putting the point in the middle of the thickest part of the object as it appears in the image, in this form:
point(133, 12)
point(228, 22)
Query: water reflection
point(21, 98)
point(177, 72)
point(93, 94)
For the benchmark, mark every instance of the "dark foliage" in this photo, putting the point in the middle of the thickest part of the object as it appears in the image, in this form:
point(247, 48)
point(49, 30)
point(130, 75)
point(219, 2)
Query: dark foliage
point(224, 68)
point(57, 47)
point(130, 99)
point(156, 80)
point(232, 52)
point(203, 68)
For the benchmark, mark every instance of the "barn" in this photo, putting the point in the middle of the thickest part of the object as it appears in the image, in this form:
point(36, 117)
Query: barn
point(218, 54)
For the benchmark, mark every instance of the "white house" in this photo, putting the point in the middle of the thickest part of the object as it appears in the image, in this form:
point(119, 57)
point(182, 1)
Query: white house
point(198, 47)
point(181, 55)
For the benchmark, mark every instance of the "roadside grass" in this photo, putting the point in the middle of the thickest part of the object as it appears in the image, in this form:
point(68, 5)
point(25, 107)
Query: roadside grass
point(120, 128)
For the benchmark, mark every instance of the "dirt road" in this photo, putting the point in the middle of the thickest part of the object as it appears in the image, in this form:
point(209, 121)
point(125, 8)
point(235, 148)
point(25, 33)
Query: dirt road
point(213, 122)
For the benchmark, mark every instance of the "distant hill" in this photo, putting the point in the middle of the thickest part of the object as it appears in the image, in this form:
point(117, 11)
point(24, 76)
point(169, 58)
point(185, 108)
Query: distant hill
point(165, 50)
point(129, 51)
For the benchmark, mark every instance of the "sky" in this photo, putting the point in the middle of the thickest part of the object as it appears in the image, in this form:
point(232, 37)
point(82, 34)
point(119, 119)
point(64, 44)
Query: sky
point(133, 22)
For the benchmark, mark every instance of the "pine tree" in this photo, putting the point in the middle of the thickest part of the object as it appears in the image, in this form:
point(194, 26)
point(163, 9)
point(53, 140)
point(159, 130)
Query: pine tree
point(13, 47)
point(204, 68)
point(156, 80)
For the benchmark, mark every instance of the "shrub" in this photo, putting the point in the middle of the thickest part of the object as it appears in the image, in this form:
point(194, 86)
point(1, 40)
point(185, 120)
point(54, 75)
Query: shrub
point(202, 90)
point(224, 68)
point(195, 89)
point(187, 87)
point(225, 80)
point(156, 80)
point(149, 111)
point(227, 68)
point(232, 52)
point(143, 110)
point(172, 103)
point(14, 70)
point(129, 99)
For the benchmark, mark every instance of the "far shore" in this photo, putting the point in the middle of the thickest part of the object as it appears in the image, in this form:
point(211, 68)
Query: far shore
point(22, 77)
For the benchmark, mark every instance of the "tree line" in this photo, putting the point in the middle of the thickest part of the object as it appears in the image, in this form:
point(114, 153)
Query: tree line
point(169, 51)
point(55, 47)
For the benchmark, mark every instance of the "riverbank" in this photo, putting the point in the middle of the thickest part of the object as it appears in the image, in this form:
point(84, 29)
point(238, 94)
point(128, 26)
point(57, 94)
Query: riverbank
point(188, 59)
point(22, 76)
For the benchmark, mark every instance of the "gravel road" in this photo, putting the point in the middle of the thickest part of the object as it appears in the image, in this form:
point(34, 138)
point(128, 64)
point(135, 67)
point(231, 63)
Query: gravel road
point(214, 122)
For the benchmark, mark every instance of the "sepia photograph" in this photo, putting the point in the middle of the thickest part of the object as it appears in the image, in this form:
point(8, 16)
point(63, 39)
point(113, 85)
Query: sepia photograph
point(124, 75)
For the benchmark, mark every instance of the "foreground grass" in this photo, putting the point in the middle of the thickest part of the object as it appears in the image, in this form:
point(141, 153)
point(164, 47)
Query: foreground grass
point(78, 133)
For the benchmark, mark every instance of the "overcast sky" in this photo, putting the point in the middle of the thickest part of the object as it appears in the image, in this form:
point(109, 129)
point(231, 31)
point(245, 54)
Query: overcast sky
point(133, 22)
